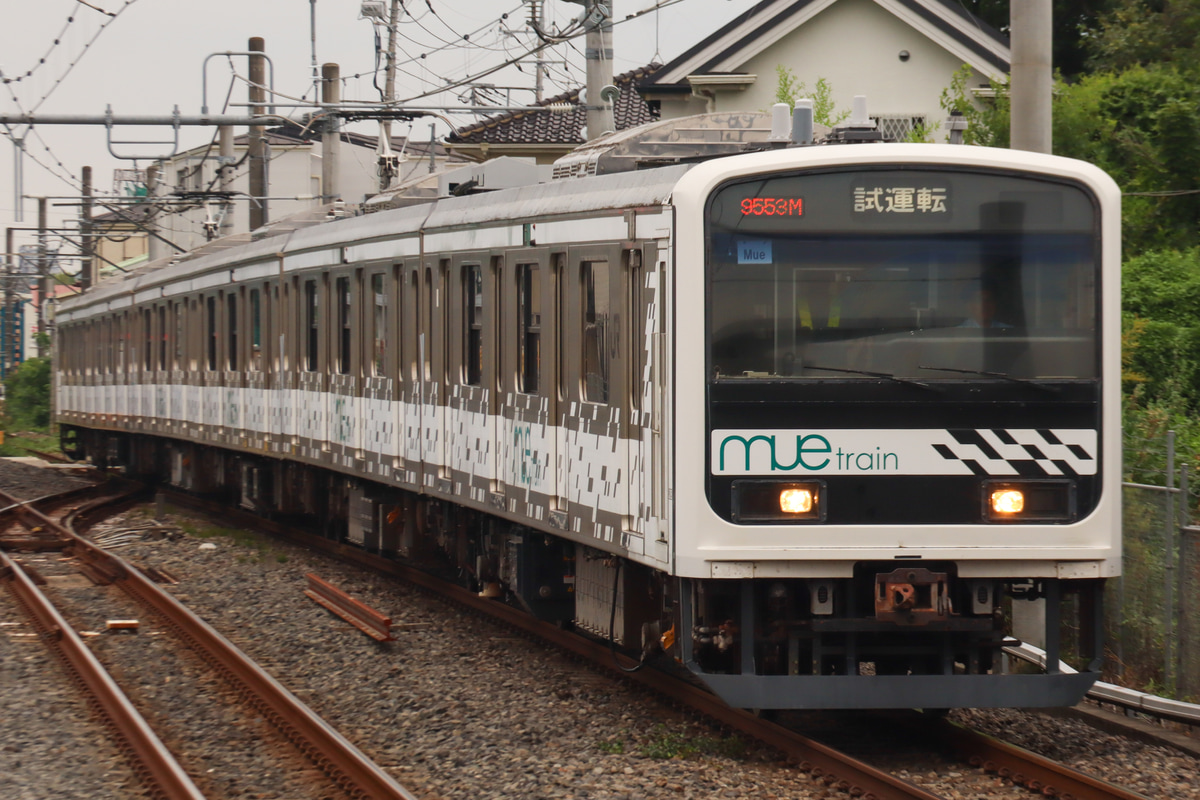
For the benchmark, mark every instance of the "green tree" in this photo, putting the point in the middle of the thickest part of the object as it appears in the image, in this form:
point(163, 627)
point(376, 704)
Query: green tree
point(27, 393)
point(1073, 20)
point(1133, 33)
point(788, 90)
point(987, 121)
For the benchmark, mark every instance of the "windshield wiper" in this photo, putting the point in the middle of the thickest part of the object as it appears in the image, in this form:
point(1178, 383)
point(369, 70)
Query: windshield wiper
point(887, 375)
point(1001, 375)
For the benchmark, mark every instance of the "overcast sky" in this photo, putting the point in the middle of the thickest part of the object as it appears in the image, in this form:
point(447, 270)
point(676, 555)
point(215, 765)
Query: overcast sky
point(149, 57)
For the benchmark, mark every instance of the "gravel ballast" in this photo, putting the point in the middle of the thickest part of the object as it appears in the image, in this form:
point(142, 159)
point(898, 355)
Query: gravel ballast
point(460, 708)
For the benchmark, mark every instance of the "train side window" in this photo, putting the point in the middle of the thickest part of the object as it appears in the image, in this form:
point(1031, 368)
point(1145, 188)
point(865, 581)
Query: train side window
point(211, 331)
point(344, 320)
point(412, 325)
point(596, 313)
point(472, 283)
point(379, 316)
point(560, 314)
point(427, 325)
point(180, 327)
point(529, 322)
point(148, 333)
point(231, 309)
point(311, 325)
point(638, 339)
point(162, 337)
point(255, 330)
point(122, 331)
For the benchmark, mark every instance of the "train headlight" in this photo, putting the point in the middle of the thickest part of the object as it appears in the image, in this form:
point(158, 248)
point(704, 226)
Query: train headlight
point(796, 501)
point(1008, 501)
point(1029, 501)
point(778, 501)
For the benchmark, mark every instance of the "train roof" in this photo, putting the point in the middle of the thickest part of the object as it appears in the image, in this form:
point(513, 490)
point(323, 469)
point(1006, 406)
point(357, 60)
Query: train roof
point(212, 265)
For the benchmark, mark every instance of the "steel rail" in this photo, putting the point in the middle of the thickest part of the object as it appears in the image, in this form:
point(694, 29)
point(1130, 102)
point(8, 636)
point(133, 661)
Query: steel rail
point(1028, 769)
point(150, 758)
point(333, 753)
point(832, 767)
point(357, 613)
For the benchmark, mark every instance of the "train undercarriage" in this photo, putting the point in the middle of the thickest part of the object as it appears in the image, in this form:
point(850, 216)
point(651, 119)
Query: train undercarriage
point(909, 635)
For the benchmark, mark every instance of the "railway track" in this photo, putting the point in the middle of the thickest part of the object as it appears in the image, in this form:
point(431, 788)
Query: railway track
point(854, 776)
point(351, 773)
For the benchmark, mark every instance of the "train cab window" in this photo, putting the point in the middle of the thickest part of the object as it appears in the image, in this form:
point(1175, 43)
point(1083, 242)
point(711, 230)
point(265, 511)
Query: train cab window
point(344, 321)
point(596, 312)
point(529, 320)
point(311, 325)
point(913, 274)
point(211, 331)
point(255, 329)
point(379, 323)
point(231, 309)
point(472, 281)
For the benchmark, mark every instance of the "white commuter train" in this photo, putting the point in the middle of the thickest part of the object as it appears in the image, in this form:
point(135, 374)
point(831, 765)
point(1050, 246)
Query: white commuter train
point(809, 420)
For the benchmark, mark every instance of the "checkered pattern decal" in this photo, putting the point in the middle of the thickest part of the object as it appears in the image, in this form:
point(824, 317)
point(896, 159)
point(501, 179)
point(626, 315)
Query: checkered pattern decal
point(1025, 453)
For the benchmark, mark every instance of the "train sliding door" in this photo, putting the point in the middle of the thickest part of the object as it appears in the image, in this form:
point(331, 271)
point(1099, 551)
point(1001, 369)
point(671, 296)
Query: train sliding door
point(527, 441)
point(471, 383)
point(597, 403)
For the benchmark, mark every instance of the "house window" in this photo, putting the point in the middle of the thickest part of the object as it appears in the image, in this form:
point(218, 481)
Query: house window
point(472, 280)
point(529, 322)
point(596, 311)
point(899, 127)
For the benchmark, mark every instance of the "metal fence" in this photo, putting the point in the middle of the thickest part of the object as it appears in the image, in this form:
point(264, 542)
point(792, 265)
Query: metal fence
point(1154, 644)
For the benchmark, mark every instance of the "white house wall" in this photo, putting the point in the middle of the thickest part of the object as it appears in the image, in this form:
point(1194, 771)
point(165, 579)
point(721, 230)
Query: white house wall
point(855, 45)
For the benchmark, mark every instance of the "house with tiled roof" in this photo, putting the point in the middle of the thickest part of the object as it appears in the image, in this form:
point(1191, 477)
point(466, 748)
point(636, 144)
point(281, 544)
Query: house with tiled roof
point(901, 54)
point(551, 128)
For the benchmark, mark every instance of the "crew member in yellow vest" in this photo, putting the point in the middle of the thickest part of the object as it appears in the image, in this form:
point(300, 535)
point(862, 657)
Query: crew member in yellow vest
point(820, 306)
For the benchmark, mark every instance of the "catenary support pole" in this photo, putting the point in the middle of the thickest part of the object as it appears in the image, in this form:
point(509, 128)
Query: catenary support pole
point(1032, 78)
point(331, 138)
point(259, 211)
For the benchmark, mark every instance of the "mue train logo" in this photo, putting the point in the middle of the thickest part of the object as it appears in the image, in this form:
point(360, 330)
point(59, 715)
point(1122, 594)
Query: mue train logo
point(990, 451)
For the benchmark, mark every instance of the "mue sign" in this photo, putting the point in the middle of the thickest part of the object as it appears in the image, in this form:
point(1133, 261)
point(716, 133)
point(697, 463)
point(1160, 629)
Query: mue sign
point(772, 207)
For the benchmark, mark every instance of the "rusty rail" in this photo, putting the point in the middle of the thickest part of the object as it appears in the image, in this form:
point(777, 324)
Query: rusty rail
point(1027, 769)
point(357, 613)
point(334, 754)
point(150, 758)
point(832, 767)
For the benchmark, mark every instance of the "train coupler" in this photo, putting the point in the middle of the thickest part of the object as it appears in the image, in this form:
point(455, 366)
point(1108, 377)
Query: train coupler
point(912, 596)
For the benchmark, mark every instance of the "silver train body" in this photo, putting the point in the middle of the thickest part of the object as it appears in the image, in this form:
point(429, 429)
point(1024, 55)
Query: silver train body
point(813, 422)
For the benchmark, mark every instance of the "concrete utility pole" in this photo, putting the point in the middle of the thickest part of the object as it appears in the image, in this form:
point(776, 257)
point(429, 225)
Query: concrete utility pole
point(331, 90)
point(43, 279)
point(259, 212)
point(389, 94)
point(10, 306)
point(1032, 79)
point(87, 273)
point(225, 172)
point(537, 16)
point(154, 243)
point(600, 91)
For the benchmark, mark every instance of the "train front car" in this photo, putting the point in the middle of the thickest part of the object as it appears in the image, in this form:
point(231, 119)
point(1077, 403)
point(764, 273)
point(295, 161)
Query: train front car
point(897, 424)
